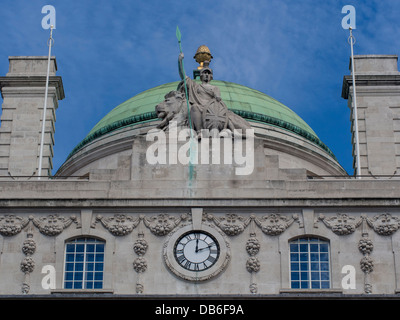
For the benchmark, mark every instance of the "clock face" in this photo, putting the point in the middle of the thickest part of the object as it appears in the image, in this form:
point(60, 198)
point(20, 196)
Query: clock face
point(196, 251)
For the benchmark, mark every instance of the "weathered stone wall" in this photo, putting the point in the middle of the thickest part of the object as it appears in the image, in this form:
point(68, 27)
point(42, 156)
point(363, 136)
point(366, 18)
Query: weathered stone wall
point(263, 271)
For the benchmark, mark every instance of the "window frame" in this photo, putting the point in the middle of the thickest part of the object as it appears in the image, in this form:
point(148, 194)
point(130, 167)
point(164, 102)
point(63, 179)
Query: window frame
point(308, 240)
point(85, 241)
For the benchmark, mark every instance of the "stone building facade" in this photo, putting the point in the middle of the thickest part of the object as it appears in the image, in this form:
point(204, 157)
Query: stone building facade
point(111, 223)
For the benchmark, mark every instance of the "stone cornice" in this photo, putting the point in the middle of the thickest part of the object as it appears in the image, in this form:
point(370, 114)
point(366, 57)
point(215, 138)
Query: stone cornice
point(33, 81)
point(363, 80)
point(112, 194)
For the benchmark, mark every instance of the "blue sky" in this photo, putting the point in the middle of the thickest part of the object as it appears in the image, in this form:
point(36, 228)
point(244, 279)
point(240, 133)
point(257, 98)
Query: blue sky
point(108, 51)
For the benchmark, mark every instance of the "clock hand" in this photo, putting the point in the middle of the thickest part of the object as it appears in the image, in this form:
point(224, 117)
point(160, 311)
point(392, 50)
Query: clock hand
point(197, 245)
point(209, 246)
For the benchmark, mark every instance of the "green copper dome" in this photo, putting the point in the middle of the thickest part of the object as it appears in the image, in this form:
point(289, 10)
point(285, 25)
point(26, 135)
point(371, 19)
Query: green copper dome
point(250, 104)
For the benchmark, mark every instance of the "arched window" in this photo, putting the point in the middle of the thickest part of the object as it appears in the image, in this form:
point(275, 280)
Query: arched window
point(309, 263)
point(84, 264)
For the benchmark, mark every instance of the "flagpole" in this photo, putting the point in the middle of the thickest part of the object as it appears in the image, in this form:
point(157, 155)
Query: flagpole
point(178, 36)
point(50, 44)
point(351, 41)
point(193, 150)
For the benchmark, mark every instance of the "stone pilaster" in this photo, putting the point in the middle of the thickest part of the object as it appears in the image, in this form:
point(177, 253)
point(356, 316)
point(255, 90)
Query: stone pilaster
point(23, 91)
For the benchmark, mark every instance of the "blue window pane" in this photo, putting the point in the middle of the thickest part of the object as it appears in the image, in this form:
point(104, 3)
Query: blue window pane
point(314, 248)
point(90, 257)
point(69, 276)
point(314, 256)
point(324, 247)
point(90, 267)
point(294, 247)
point(304, 275)
point(100, 248)
point(304, 248)
point(294, 257)
point(69, 257)
point(78, 266)
point(90, 248)
point(98, 285)
point(89, 276)
point(324, 257)
point(98, 276)
point(324, 284)
point(294, 266)
point(78, 276)
point(70, 248)
point(77, 285)
point(79, 257)
point(80, 248)
point(324, 275)
point(304, 266)
point(314, 266)
point(295, 275)
point(304, 284)
point(315, 285)
point(69, 267)
point(314, 275)
point(303, 256)
point(68, 285)
point(324, 266)
point(89, 285)
point(99, 258)
point(295, 284)
point(99, 267)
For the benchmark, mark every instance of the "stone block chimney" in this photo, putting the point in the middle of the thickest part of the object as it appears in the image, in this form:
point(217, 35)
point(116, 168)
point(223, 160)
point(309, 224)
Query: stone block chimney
point(378, 107)
point(23, 93)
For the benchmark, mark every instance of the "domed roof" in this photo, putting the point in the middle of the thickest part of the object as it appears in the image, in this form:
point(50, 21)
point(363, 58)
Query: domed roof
point(250, 104)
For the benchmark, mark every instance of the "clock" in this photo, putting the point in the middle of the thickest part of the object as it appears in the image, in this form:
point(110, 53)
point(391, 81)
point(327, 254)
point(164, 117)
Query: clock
point(196, 254)
point(196, 250)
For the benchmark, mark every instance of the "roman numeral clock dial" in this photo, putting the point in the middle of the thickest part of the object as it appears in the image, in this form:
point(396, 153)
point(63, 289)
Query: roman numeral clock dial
point(196, 251)
point(196, 254)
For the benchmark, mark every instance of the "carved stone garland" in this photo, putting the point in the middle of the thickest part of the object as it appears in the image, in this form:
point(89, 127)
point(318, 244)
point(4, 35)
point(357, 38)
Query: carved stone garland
point(53, 224)
point(275, 224)
point(232, 224)
point(118, 224)
point(341, 224)
point(383, 224)
point(163, 224)
point(10, 225)
point(272, 225)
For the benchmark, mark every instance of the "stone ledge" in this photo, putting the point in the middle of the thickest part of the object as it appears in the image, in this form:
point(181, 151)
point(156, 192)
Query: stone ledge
point(82, 291)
